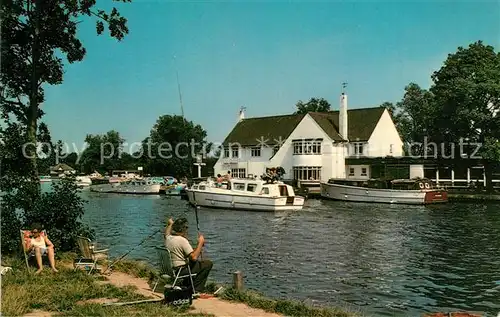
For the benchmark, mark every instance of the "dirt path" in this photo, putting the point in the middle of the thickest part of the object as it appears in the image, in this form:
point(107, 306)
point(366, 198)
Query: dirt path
point(214, 306)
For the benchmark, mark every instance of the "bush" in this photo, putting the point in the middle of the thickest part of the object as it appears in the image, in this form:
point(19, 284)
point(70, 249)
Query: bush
point(60, 212)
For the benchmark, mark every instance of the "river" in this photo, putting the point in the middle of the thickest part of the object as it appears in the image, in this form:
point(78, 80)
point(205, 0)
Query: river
point(381, 260)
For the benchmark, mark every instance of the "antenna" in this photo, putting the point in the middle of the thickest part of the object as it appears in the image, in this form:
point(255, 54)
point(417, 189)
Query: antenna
point(344, 85)
point(180, 95)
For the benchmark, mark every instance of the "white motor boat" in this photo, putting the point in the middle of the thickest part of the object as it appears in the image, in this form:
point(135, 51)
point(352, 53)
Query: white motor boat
point(245, 194)
point(83, 181)
point(138, 187)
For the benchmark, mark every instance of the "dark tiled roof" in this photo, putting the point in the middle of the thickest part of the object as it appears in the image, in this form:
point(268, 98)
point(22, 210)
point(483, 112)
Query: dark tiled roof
point(361, 123)
point(249, 131)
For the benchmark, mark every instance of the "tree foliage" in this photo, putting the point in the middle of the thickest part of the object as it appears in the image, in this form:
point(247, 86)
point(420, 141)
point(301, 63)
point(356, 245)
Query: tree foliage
point(103, 152)
point(35, 35)
point(313, 105)
point(172, 146)
point(463, 103)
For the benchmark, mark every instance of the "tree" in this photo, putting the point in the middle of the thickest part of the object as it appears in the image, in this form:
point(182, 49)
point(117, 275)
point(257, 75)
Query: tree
point(414, 117)
point(32, 32)
point(35, 34)
point(103, 152)
point(173, 145)
point(313, 105)
point(467, 91)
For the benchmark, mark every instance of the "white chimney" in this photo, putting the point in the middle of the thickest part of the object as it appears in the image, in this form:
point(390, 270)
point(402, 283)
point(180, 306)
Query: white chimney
point(242, 114)
point(343, 116)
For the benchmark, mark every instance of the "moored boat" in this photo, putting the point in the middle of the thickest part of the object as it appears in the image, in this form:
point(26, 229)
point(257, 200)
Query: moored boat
point(83, 181)
point(45, 179)
point(138, 187)
point(245, 194)
point(398, 191)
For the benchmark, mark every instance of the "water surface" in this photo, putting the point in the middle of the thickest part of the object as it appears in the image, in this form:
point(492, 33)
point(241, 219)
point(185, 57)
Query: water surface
point(382, 260)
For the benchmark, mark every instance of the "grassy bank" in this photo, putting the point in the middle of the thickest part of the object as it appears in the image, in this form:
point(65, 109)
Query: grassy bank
point(71, 293)
point(74, 293)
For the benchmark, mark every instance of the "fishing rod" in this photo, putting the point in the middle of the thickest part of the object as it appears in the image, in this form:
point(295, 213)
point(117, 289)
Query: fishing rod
point(127, 253)
point(195, 205)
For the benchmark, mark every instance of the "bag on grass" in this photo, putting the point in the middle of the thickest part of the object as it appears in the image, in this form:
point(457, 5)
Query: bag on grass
point(178, 296)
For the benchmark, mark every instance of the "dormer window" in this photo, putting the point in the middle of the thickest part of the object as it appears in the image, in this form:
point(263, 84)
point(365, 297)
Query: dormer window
point(256, 151)
point(358, 148)
point(235, 151)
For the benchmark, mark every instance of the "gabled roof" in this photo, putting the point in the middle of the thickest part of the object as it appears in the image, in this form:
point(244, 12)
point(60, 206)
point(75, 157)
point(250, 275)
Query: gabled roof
point(249, 131)
point(360, 125)
point(61, 167)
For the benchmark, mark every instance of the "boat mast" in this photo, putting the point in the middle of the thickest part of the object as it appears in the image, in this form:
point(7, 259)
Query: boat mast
point(180, 95)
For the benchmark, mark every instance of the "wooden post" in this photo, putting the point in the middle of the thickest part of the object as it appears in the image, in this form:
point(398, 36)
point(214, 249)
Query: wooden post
point(238, 280)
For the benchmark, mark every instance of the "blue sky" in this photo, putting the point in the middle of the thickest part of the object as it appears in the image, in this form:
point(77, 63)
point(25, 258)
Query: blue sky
point(262, 55)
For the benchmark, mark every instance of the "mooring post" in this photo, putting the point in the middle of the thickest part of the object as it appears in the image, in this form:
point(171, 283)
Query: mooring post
point(238, 280)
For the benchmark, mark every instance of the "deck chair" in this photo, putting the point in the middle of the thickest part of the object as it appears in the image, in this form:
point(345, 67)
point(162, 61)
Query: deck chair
point(90, 255)
point(167, 270)
point(25, 243)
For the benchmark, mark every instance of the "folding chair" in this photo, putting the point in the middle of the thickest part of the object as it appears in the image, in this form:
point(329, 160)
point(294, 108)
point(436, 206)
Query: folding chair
point(26, 242)
point(90, 254)
point(167, 270)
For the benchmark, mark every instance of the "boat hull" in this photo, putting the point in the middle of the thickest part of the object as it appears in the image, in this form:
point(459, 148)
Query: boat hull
point(243, 202)
point(117, 188)
point(387, 196)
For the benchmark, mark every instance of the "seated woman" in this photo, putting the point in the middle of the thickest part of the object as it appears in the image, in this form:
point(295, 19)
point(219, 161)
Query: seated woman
point(40, 245)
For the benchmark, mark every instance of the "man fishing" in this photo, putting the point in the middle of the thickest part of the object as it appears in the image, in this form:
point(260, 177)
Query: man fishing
point(176, 241)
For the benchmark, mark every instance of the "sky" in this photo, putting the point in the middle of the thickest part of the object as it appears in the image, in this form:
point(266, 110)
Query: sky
point(263, 55)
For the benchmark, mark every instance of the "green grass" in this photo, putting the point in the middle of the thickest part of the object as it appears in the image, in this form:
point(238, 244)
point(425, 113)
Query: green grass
point(64, 293)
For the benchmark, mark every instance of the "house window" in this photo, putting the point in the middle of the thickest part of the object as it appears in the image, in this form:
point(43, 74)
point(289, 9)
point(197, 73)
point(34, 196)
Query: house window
point(226, 152)
point(304, 173)
point(390, 148)
point(351, 171)
point(255, 151)
point(236, 151)
point(358, 148)
point(238, 172)
point(239, 186)
point(275, 150)
point(363, 171)
point(308, 146)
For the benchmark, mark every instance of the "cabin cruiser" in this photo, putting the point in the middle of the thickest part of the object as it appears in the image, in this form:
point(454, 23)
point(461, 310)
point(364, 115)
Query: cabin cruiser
point(416, 191)
point(134, 186)
point(245, 194)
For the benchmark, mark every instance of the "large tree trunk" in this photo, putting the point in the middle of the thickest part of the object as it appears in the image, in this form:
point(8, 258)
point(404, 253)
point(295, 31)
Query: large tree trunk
point(32, 115)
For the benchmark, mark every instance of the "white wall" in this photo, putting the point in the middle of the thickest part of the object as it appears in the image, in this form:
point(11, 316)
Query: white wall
point(417, 170)
point(384, 135)
point(357, 171)
point(307, 129)
point(253, 165)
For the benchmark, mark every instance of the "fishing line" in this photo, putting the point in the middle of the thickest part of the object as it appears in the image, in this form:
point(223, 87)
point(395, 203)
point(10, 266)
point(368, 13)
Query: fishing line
point(128, 252)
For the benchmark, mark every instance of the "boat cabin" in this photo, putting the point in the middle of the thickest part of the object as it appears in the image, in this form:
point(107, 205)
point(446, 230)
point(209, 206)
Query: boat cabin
point(140, 182)
point(256, 186)
point(401, 184)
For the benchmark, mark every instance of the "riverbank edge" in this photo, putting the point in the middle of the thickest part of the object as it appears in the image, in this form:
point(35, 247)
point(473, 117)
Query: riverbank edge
point(140, 270)
point(452, 197)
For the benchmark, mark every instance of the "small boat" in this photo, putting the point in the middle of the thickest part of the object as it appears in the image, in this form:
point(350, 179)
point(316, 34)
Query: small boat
point(83, 181)
point(245, 194)
point(45, 179)
point(398, 191)
point(138, 187)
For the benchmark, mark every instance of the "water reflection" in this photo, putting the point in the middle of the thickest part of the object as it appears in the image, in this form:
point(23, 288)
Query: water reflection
point(383, 260)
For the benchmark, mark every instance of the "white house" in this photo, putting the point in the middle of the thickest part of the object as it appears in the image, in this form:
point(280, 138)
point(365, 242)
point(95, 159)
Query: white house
point(312, 146)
